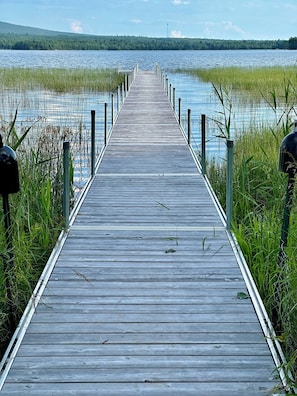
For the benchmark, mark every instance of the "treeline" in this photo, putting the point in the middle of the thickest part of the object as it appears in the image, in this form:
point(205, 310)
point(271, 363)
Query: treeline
point(293, 43)
point(85, 42)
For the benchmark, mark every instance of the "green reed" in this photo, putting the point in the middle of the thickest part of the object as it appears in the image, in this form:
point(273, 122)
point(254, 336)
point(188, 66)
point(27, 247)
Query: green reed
point(36, 211)
point(60, 80)
point(251, 83)
point(36, 214)
point(259, 199)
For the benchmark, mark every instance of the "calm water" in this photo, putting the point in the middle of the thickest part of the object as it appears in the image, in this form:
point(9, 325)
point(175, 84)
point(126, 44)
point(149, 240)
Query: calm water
point(167, 60)
point(74, 110)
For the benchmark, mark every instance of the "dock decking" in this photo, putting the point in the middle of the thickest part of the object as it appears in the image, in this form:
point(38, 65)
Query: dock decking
point(143, 297)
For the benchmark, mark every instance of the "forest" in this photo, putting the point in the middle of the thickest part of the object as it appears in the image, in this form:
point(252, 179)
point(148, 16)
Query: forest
point(85, 42)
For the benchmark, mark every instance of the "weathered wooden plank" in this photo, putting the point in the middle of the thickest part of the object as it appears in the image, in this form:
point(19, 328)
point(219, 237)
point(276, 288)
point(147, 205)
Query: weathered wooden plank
point(203, 388)
point(145, 327)
point(188, 287)
point(158, 294)
point(139, 318)
point(165, 302)
point(86, 309)
point(208, 335)
point(143, 374)
point(107, 350)
point(143, 299)
point(129, 362)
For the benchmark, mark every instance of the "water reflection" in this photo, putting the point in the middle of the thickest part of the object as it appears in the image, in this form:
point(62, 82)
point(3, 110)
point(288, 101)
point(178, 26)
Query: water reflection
point(167, 60)
point(73, 110)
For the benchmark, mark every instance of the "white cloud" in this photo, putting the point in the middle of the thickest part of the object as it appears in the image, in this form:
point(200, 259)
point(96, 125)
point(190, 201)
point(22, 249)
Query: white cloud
point(76, 27)
point(219, 30)
point(229, 26)
point(136, 20)
point(176, 34)
point(180, 2)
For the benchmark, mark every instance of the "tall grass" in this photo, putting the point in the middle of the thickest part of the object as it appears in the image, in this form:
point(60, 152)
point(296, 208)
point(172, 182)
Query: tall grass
point(251, 83)
point(36, 211)
point(36, 222)
point(60, 80)
point(259, 199)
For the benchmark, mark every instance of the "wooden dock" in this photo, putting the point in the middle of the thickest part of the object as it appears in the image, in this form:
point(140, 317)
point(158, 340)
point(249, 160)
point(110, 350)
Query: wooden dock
point(143, 296)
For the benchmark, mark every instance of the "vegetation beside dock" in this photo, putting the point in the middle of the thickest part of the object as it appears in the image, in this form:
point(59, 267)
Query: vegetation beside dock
point(260, 189)
point(36, 211)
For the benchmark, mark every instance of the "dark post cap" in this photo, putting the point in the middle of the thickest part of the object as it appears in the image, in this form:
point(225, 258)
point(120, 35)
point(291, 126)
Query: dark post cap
point(288, 152)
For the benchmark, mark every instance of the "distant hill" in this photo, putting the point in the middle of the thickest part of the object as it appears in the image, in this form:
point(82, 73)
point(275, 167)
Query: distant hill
point(17, 37)
point(9, 28)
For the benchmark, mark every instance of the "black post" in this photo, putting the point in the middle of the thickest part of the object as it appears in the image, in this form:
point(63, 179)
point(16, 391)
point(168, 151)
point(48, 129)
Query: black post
point(105, 123)
point(189, 127)
point(93, 155)
point(203, 140)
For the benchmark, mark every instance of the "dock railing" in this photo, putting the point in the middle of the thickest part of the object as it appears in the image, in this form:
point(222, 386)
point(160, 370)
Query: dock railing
point(199, 151)
point(109, 118)
point(199, 148)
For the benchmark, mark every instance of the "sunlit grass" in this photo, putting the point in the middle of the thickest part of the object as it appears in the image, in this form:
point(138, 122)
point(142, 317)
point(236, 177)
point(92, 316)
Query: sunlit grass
point(36, 210)
point(60, 80)
point(256, 83)
point(259, 195)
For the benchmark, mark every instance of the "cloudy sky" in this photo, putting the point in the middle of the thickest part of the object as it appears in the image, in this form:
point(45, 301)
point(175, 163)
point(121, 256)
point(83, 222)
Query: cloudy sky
point(225, 19)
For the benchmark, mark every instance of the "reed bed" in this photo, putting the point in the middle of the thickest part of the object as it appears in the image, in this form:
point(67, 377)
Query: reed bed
point(36, 215)
point(60, 80)
point(36, 211)
point(259, 193)
point(253, 83)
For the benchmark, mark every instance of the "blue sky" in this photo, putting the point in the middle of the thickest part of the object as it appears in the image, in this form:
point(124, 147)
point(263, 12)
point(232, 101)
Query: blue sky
point(225, 19)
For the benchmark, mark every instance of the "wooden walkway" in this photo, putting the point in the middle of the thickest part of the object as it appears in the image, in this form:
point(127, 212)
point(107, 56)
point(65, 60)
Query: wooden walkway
point(143, 297)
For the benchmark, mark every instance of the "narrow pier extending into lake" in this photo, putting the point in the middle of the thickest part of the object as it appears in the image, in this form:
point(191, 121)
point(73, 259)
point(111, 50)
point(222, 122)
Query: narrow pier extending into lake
point(144, 295)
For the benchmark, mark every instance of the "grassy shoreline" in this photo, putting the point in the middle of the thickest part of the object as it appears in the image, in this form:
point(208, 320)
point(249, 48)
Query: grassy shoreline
point(60, 80)
point(259, 191)
point(36, 211)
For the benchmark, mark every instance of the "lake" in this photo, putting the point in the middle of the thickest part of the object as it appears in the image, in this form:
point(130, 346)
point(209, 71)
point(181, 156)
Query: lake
point(73, 111)
point(167, 60)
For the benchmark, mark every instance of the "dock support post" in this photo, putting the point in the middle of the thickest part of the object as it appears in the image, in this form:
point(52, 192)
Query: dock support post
point(123, 92)
point(66, 190)
point(126, 82)
point(173, 99)
point(105, 123)
point(189, 127)
point(112, 109)
point(203, 141)
point(92, 142)
point(229, 186)
point(179, 111)
point(118, 98)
